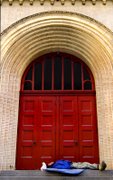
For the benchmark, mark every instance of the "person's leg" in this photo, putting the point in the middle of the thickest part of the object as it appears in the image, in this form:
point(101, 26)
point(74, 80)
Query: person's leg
point(84, 165)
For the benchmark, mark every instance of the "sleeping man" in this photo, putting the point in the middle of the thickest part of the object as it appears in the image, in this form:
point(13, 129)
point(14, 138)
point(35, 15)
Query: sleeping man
point(65, 164)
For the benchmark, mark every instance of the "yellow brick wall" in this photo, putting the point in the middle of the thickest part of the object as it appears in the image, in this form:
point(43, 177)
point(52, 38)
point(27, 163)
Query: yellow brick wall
point(44, 33)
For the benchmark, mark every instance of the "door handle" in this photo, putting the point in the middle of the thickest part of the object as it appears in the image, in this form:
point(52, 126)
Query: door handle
point(34, 142)
point(76, 142)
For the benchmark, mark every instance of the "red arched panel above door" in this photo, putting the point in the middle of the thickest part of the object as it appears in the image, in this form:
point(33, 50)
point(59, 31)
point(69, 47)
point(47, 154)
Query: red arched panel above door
point(55, 72)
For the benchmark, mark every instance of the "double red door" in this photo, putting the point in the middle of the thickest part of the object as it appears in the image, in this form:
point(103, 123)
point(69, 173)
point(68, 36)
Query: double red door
point(56, 127)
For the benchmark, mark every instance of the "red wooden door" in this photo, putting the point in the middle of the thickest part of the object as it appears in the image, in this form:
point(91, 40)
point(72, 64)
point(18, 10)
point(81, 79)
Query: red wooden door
point(57, 118)
point(68, 128)
point(56, 127)
point(46, 142)
point(36, 131)
point(27, 133)
point(88, 134)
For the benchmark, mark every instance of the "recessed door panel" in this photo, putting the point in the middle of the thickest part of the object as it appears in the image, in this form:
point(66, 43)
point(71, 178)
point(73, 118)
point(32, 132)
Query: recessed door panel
point(68, 128)
point(47, 139)
point(26, 133)
point(88, 129)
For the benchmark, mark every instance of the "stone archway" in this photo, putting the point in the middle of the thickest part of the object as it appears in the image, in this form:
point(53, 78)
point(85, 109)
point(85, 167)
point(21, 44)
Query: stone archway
point(56, 31)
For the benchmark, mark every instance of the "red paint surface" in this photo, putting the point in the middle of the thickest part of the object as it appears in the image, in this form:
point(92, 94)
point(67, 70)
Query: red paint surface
point(56, 124)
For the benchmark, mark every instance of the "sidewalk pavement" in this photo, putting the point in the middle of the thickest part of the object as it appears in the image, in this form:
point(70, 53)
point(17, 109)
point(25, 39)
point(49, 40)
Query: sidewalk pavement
point(39, 175)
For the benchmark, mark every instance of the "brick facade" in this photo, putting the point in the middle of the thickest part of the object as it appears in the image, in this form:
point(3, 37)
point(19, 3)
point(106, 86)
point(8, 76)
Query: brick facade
point(37, 35)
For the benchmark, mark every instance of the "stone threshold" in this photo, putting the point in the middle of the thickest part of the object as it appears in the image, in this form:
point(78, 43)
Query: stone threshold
point(37, 174)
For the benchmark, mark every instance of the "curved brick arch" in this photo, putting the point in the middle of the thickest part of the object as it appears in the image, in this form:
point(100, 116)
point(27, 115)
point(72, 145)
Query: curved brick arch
point(56, 31)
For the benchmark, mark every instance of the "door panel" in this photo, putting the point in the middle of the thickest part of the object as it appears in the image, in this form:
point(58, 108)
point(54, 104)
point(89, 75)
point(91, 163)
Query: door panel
point(47, 119)
point(68, 128)
point(88, 129)
point(26, 133)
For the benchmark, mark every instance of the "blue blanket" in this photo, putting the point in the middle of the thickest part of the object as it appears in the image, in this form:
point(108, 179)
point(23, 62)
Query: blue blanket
point(66, 171)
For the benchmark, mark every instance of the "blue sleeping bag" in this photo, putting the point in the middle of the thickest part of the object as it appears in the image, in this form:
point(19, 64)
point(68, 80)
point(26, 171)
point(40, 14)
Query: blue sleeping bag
point(61, 164)
point(66, 171)
point(64, 166)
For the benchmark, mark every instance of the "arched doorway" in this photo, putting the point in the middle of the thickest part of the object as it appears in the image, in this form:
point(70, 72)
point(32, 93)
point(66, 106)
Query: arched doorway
point(57, 117)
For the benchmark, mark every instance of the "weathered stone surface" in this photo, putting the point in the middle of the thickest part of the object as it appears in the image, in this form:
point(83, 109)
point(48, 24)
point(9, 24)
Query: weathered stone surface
point(29, 175)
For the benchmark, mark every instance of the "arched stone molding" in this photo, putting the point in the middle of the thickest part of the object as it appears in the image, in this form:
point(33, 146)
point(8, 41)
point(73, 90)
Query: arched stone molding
point(49, 32)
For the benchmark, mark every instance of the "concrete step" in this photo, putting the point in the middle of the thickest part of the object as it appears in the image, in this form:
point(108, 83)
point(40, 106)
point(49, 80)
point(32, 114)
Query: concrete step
point(36, 174)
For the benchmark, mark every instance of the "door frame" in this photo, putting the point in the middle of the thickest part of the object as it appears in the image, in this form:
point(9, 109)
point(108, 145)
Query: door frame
point(62, 91)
